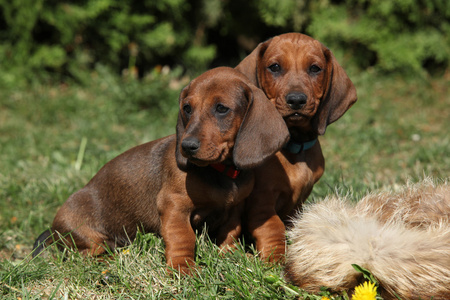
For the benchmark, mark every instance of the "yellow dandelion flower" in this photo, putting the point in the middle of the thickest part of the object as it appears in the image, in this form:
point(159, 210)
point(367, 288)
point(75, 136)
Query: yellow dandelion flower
point(324, 298)
point(365, 291)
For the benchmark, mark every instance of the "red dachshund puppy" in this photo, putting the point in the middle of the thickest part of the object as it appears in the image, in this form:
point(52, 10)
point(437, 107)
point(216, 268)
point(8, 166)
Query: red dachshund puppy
point(175, 184)
point(310, 90)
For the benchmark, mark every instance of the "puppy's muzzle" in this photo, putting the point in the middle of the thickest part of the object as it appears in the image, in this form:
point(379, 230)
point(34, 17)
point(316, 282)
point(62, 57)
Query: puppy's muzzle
point(296, 100)
point(190, 145)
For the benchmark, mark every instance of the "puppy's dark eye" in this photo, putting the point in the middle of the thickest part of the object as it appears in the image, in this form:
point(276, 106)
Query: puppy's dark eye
point(275, 68)
point(187, 109)
point(222, 109)
point(314, 69)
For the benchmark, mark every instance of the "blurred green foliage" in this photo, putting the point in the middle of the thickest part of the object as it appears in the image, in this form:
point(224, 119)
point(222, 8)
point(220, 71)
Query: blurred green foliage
point(69, 37)
point(66, 39)
point(394, 35)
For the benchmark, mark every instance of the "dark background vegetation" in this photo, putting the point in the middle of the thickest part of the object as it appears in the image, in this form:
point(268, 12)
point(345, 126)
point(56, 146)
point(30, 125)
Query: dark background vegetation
point(62, 40)
point(83, 81)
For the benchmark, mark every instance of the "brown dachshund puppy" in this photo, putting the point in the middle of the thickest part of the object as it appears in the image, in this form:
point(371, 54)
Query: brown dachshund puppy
point(176, 184)
point(310, 90)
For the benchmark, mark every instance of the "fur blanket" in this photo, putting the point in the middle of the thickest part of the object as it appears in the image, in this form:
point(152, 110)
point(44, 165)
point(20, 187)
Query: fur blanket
point(402, 238)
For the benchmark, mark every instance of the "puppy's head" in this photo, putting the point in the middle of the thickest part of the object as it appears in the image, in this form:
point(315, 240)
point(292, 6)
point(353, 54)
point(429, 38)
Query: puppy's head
point(223, 117)
point(302, 78)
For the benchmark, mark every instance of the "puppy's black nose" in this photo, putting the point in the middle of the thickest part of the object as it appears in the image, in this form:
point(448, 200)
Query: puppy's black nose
point(190, 145)
point(296, 100)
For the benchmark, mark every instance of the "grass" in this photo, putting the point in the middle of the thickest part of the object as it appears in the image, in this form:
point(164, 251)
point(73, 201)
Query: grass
point(54, 138)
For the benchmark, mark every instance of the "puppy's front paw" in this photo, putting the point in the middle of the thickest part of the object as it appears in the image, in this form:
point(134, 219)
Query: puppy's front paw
point(182, 265)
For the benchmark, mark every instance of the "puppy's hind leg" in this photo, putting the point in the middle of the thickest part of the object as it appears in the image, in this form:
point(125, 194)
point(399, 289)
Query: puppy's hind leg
point(85, 240)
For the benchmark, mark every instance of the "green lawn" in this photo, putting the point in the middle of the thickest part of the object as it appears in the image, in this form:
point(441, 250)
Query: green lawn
point(397, 131)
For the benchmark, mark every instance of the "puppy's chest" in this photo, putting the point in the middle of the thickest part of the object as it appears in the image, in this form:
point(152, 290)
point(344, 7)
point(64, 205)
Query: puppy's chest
point(218, 191)
point(292, 181)
point(298, 178)
point(216, 195)
point(292, 187)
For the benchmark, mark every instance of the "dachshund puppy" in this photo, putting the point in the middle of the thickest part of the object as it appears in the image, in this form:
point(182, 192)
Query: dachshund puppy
point(310, 90)
point(174, 185)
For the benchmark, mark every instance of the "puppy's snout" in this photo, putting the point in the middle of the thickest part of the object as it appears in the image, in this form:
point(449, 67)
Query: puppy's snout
point(296, 100)
point(190, 145)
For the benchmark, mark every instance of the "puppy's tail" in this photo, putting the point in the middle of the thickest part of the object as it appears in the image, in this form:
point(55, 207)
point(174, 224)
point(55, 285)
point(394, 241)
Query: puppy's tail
point(332, 235)
point(41, 242)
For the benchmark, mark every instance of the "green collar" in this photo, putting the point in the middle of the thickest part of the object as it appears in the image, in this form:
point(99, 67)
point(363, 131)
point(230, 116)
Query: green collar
point(296, 148)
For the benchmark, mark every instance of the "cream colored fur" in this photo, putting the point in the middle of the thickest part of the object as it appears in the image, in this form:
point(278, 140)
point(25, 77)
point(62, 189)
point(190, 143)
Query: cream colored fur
point(403, 238)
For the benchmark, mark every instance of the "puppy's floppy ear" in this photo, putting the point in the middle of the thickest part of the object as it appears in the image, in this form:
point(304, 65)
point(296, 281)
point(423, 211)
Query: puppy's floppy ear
point(262, 133)
point(181, 160)
point(339, 96)
point(249, 65)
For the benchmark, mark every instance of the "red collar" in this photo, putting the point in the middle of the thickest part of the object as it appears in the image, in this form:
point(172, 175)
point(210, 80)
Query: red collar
point(230, 171)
